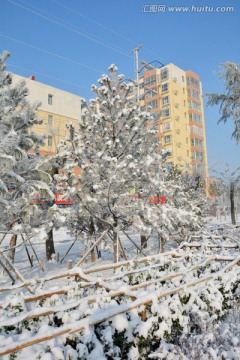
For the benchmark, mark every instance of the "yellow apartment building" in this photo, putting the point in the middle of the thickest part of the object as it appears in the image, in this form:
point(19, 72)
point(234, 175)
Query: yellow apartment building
point(174, 96)
point(58, 107)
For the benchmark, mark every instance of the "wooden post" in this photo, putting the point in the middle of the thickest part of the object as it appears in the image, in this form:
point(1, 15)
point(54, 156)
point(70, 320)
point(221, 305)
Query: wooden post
point(28, 255)
point(96, 242)
point(13, 243)
point(140, 250)
point(115, 244)
point(7, 271)
point(122, 248)
point(69, 248)
point(16, 272)
point(41, 263)
point(70, 264)
point(93, 258)
point(33, 250)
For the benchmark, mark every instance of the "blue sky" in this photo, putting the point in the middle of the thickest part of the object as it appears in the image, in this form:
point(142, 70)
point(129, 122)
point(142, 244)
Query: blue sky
point(72, 42)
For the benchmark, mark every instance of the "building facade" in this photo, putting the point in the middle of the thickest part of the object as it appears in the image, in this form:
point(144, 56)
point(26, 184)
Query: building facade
point(57, 108)
point(174, 97)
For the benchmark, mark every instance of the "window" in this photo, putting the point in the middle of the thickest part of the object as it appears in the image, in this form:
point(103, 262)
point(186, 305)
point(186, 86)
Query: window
point(164, 87)
point(194, 105)
point(196, 130)
point(184, 102)
point(152, 104)
point(198, 155)
point(142, 108)
point(49, 140)
point(193, 82)
point(50, 120)
point(194, 94)
point(183, 78)
point(185, 115)
point(150, 80)
point(197, 142)
point(141, 85)
point(167, 126)
point(165, 100)
point(151, 93)
point(195, 117)
point(165, 112)
point(183, 90)
point(164, 74)
point(50, 99)
point(186, 140)
point(167, 139)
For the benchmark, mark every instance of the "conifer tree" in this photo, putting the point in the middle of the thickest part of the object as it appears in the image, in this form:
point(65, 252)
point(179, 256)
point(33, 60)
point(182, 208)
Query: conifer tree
point(117, 151)
point(229, 101)
point(23, 172)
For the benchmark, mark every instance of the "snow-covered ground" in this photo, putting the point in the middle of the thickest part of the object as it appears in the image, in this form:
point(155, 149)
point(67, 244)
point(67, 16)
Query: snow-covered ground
point(63, 240)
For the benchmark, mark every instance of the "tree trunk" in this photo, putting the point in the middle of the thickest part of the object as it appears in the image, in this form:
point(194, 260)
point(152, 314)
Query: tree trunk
point(93, 258)
point(143, 241)
point(50, 245)
point(91, 232)
point(115, 244)
point(232, 203)
point(13, 243)
point(99, 255)
point(162, 243)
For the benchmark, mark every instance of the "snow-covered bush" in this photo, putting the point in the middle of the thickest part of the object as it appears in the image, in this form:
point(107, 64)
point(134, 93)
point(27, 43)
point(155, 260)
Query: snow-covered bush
point(187, 307)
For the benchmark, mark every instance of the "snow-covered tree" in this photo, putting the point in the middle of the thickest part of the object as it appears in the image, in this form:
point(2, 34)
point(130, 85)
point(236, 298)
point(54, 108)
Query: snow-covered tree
point(229, 101)
point(228, 183)
point(23, 172)
point(121, 168)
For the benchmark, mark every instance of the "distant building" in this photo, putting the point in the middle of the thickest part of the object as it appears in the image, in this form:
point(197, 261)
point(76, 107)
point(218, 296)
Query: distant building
point(174, 96)
point(58, 107)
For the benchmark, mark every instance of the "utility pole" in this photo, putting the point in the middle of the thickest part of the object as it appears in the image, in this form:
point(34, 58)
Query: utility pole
point(135, 51)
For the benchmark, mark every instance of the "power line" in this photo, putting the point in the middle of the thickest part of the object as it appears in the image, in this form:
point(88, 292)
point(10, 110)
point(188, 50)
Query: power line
point(51, 53)
point(69, 28)
point(48, 76)
point(76, 27)
point(105, 27)
point(94, 22)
